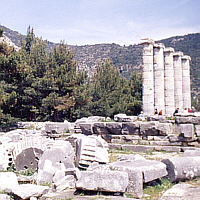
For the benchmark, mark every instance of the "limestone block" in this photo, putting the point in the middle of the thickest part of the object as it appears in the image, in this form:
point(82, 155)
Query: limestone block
point(25, 191)
point(187, 130)
point(4, 197)
point(149, 128)
point(59, 174)
point(44, 177)
point(150, 169)
point(176, 129)
point(159, 143)
point(124, 118)
point(119, 116)
point(106, 181)
point(66, 182)
point(99, 128)
point(28, 158)
point(131, 137)
point(114, 127)
point(182, 191)
point(144, 142)
point(196, 144)
point(117, 141)
point(128, 139)
point(86, 128)
point(171, 148)
point(8, 180)
point(91, 149)
point(164, 128)
point(82, 120)
point(58, 127)
point(159, 138)
point(52, 161)
point(187, 148)
point(137, 148)
point(135, 179)
point(155, 128)
point(188, 120)
point(15, 137)
point(182, 168)
point(130, 128)
point(187, 139)
point(156, 118)
point(131, 157)
point(96, 166)
point(197, 130)
point(191, 153)
point(96, 118)
point(114, 146)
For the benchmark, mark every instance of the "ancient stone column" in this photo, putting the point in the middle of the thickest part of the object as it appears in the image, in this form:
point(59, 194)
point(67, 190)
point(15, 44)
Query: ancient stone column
point(158, 59)
point(182, 168)
point(148, 80)
point(178, 95)
point(186, 81)
point(169, 80)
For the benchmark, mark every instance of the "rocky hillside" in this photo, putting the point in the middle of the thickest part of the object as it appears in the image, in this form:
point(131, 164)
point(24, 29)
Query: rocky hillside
point(189, 45)
point(129, 58)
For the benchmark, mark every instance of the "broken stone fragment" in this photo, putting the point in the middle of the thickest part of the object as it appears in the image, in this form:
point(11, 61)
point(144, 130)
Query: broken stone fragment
point(54, 160)
point(66, 182)
point(188, 120)
point(135, 180)
point(131, 128)
point(28, 158)
point(154, 128)
point(182, 191)
point(104, 181)
point(124, 118)
point(182, 168)
point(187, 130)
point(25, 191)
point(151, 169)
point(8, 180)
point(191, 153)
point(4, 197)
point(139, 170)
point(57, 127)
point(91, 149)
point(114, 127)
point(86, 128)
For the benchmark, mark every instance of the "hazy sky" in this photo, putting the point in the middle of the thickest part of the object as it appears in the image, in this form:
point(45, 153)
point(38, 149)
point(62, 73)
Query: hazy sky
point(102, 21)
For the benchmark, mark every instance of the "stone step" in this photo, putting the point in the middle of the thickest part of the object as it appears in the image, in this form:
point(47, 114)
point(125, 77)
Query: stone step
point(146, 148)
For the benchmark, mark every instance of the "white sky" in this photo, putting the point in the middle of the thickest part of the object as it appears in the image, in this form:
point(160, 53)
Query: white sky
point(81, 22)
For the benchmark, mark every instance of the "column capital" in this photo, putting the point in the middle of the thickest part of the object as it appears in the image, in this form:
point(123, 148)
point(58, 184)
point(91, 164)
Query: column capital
point(185, 57)
point(147, 40)
point(169, 49)
point(178, 53)
point(159, 45)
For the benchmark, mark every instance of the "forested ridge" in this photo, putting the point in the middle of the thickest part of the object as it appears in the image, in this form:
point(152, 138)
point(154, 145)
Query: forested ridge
point(43, 81)
point(37, 84)
point(129, 58)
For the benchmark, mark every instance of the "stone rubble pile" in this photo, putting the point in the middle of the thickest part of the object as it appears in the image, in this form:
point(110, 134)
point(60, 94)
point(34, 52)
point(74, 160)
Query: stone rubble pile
point(81, 162)
point(156, 131)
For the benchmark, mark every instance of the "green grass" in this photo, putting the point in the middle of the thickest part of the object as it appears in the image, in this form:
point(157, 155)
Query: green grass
point(27, 172)
point(156, 191)
point(195, 182)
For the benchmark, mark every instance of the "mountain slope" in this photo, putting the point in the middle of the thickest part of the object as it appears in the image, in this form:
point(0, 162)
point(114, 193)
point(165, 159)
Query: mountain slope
point(129, 58)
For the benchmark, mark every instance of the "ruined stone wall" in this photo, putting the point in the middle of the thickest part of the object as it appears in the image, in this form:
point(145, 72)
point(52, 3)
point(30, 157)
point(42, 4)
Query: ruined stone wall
point(157, 133)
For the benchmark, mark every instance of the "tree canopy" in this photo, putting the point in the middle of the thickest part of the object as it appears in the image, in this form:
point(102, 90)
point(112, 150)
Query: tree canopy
point(40, 85)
